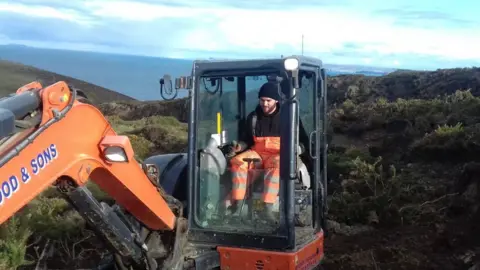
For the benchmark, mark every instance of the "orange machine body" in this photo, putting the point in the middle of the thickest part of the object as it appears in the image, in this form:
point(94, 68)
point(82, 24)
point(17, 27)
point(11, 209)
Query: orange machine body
point(72, 147)
point(306, 257)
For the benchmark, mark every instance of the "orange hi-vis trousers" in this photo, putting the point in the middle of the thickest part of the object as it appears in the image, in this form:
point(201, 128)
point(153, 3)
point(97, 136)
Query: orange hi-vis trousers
point(267, 149)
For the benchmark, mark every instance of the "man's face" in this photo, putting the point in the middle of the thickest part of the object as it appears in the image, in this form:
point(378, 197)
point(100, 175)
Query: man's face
point(268, 105)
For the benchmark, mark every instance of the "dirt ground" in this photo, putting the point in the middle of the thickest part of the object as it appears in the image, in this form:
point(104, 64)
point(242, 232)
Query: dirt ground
point(414, 247)
point(445, 236)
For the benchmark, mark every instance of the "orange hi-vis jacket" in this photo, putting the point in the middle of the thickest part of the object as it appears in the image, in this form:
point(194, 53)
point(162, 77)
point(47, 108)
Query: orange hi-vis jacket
point(262, 137)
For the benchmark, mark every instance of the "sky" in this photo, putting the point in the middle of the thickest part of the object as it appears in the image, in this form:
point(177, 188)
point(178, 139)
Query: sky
point(413, 34)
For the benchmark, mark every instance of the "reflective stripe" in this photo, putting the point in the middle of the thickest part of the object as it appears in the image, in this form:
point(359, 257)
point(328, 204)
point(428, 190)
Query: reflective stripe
point(272, 190)
point(240, 175)
point(240, 185)
point(273, 179)
point(271, 186)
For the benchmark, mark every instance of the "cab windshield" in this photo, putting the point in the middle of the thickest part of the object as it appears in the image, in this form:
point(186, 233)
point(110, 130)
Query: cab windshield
point(224, 103)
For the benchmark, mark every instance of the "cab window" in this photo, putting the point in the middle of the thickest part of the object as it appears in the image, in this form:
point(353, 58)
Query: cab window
point(219, 112)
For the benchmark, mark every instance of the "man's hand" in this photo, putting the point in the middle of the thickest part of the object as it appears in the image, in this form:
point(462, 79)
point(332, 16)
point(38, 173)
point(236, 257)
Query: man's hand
point(231, 149)
point(236, 147)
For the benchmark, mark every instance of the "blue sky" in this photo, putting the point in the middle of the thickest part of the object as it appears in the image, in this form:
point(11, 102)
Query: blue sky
point(395, 33)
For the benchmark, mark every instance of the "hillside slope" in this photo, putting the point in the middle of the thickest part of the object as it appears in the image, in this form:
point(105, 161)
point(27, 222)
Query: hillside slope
point(357, 88)
point(14, 75)
point(403, 170)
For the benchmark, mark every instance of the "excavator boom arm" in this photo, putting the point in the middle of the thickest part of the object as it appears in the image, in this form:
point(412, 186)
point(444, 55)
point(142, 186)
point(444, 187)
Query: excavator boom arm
point(50, 138)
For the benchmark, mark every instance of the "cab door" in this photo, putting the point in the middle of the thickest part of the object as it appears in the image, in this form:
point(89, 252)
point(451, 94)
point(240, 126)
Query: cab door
point(321, 180)
point(311, 117)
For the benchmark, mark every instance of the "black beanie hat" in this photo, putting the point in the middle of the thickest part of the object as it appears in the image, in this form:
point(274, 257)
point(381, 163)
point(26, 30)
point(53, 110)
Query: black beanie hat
point(269, 90)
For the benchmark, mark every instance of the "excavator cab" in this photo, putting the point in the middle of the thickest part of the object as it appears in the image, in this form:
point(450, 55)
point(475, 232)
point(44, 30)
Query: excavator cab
point(222, 94)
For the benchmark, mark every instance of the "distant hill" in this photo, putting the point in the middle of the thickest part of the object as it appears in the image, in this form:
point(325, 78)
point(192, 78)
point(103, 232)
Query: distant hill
point(135, 76)
point(404, 84)
point(14, 75)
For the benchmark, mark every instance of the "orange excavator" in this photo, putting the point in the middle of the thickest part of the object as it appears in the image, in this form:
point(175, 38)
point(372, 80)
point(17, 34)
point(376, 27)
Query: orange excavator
point(171, 210)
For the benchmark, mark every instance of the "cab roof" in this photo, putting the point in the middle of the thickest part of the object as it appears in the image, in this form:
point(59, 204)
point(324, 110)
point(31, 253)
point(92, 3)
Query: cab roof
point(231, 64)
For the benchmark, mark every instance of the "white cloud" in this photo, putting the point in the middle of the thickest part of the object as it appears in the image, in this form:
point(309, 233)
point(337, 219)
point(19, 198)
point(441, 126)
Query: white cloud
point(264, 30)
point(367, 61)
point(327, 30)
point(46, 12)
point(137, 11)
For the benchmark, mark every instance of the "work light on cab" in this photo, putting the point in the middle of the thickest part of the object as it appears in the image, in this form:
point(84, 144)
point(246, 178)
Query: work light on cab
point(291, 64)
